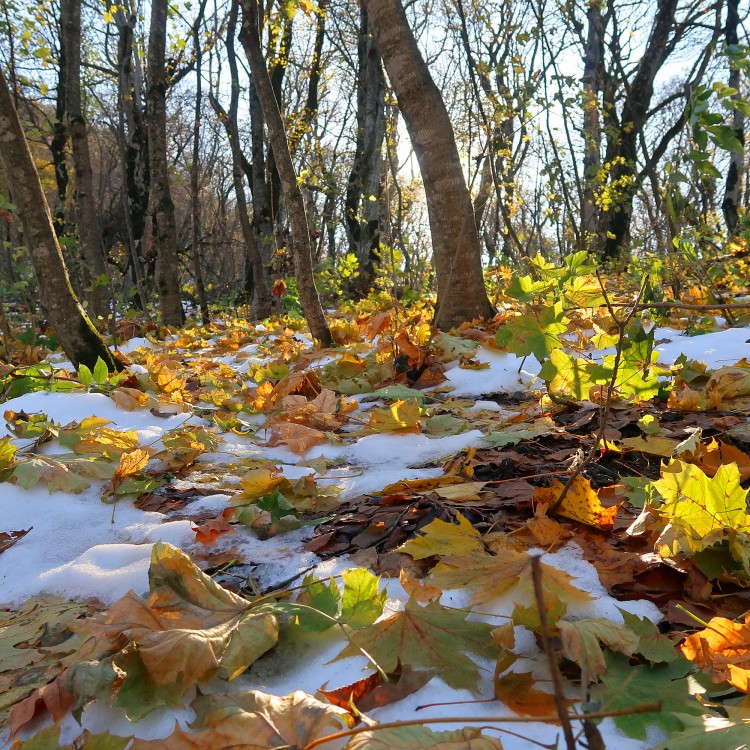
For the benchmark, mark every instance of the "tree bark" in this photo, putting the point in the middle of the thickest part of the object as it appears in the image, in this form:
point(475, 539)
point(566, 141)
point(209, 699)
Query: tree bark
point(133, 138)
point(78, 337)
point(257, 287)
point(624, 150)
point(362, 192)
point(456, 250)
point(160, 198)
point(301, 244)
point(733, 186)
point(87, 217)
point(195, 198)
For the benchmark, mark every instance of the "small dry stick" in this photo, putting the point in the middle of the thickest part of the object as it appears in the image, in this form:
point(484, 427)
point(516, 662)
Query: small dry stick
point(644, 708)
point(604, 417)
point(554, 669)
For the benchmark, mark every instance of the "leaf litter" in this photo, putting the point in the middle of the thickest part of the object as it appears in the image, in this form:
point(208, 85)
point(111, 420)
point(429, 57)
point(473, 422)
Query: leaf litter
point(269, 480)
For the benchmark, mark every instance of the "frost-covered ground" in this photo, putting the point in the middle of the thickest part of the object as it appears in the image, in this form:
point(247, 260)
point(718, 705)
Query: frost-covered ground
point(80, 547)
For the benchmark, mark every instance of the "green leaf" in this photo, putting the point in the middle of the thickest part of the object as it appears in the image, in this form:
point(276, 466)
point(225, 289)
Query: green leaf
point(433, 637)
point(567, 375)
point(534, 333)
point(101, 373)
point(7, 458)
point(326, 599)
point(85, 375)
point(277, 505)
point(516, 433)
point(399, 392)
point(626, 686)
point(700, 735)
point(56, 475)
point(361, 603)
point(652, 644)
point(443, 425)
point(701, 509)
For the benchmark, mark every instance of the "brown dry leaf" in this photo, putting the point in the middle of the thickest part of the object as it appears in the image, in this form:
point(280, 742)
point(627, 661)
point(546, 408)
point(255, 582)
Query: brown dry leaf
point(51, 698)
point(211, 530)
point(722, 648)
point(518, 692)
point(545, 530)
point(252, 720)
point(490, 576)
point(375, 691)
point(419, 590)
point(9, 538)
point(297, 437)
point(375, 323)
point(129, 399)
point(581, 504)
point(412, 486)
point(711, 457)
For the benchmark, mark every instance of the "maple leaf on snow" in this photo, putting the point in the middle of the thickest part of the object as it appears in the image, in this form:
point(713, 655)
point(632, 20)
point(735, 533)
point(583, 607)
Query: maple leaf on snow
point(433, 637)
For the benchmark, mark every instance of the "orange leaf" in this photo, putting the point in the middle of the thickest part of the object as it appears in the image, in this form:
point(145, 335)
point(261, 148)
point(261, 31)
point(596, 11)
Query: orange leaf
point(517, 691)
point(713, 455)
point(51, 698)
point(211, 530)
point(723, 648)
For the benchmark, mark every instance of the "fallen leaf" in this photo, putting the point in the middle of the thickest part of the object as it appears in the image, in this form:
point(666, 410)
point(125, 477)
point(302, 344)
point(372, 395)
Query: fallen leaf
point(581, 503)
point(422, 738)
point(9, 538)
point(518, 691)
point(432, 637)
point(400, 416)
point(252, 720)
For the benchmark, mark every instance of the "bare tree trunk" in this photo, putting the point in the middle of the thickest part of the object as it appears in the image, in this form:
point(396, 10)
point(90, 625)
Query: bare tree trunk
point(87, 217)
point(133, 139)
point(733, 185)
point(257, 285)
point(57, 146)
point(195, 199)
point(78, 337)
point(592, 134)
point(616, 245)
point(161, 205)
point(362, 204)
point(456, 250)
point(301, 244)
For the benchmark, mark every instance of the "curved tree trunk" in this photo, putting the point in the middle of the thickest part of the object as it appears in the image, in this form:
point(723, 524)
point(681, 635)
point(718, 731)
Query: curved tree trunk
point(733, 185)
point(456, 250)
point(301, 244)
point(362, 191)
point(162, 207)
point(87, 218)
point(257, 287)
point(78, 337)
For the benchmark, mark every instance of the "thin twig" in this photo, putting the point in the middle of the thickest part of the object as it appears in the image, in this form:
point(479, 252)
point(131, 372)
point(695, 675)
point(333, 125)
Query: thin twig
point(644, 708)
point(604, 416)
point(554, 669)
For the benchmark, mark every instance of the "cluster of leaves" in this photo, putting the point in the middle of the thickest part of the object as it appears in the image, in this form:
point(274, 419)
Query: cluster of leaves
point(470, 529)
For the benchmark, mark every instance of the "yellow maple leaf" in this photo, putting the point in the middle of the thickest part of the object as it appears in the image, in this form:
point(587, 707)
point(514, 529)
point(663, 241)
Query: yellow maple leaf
point(400, 416)
point(581, 504)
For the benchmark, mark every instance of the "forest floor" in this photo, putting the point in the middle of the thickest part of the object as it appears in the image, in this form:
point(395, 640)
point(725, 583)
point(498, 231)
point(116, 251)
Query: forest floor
point(274, 467)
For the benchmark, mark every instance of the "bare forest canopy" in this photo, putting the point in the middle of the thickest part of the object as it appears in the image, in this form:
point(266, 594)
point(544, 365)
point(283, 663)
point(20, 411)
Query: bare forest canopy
point(413, 150)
